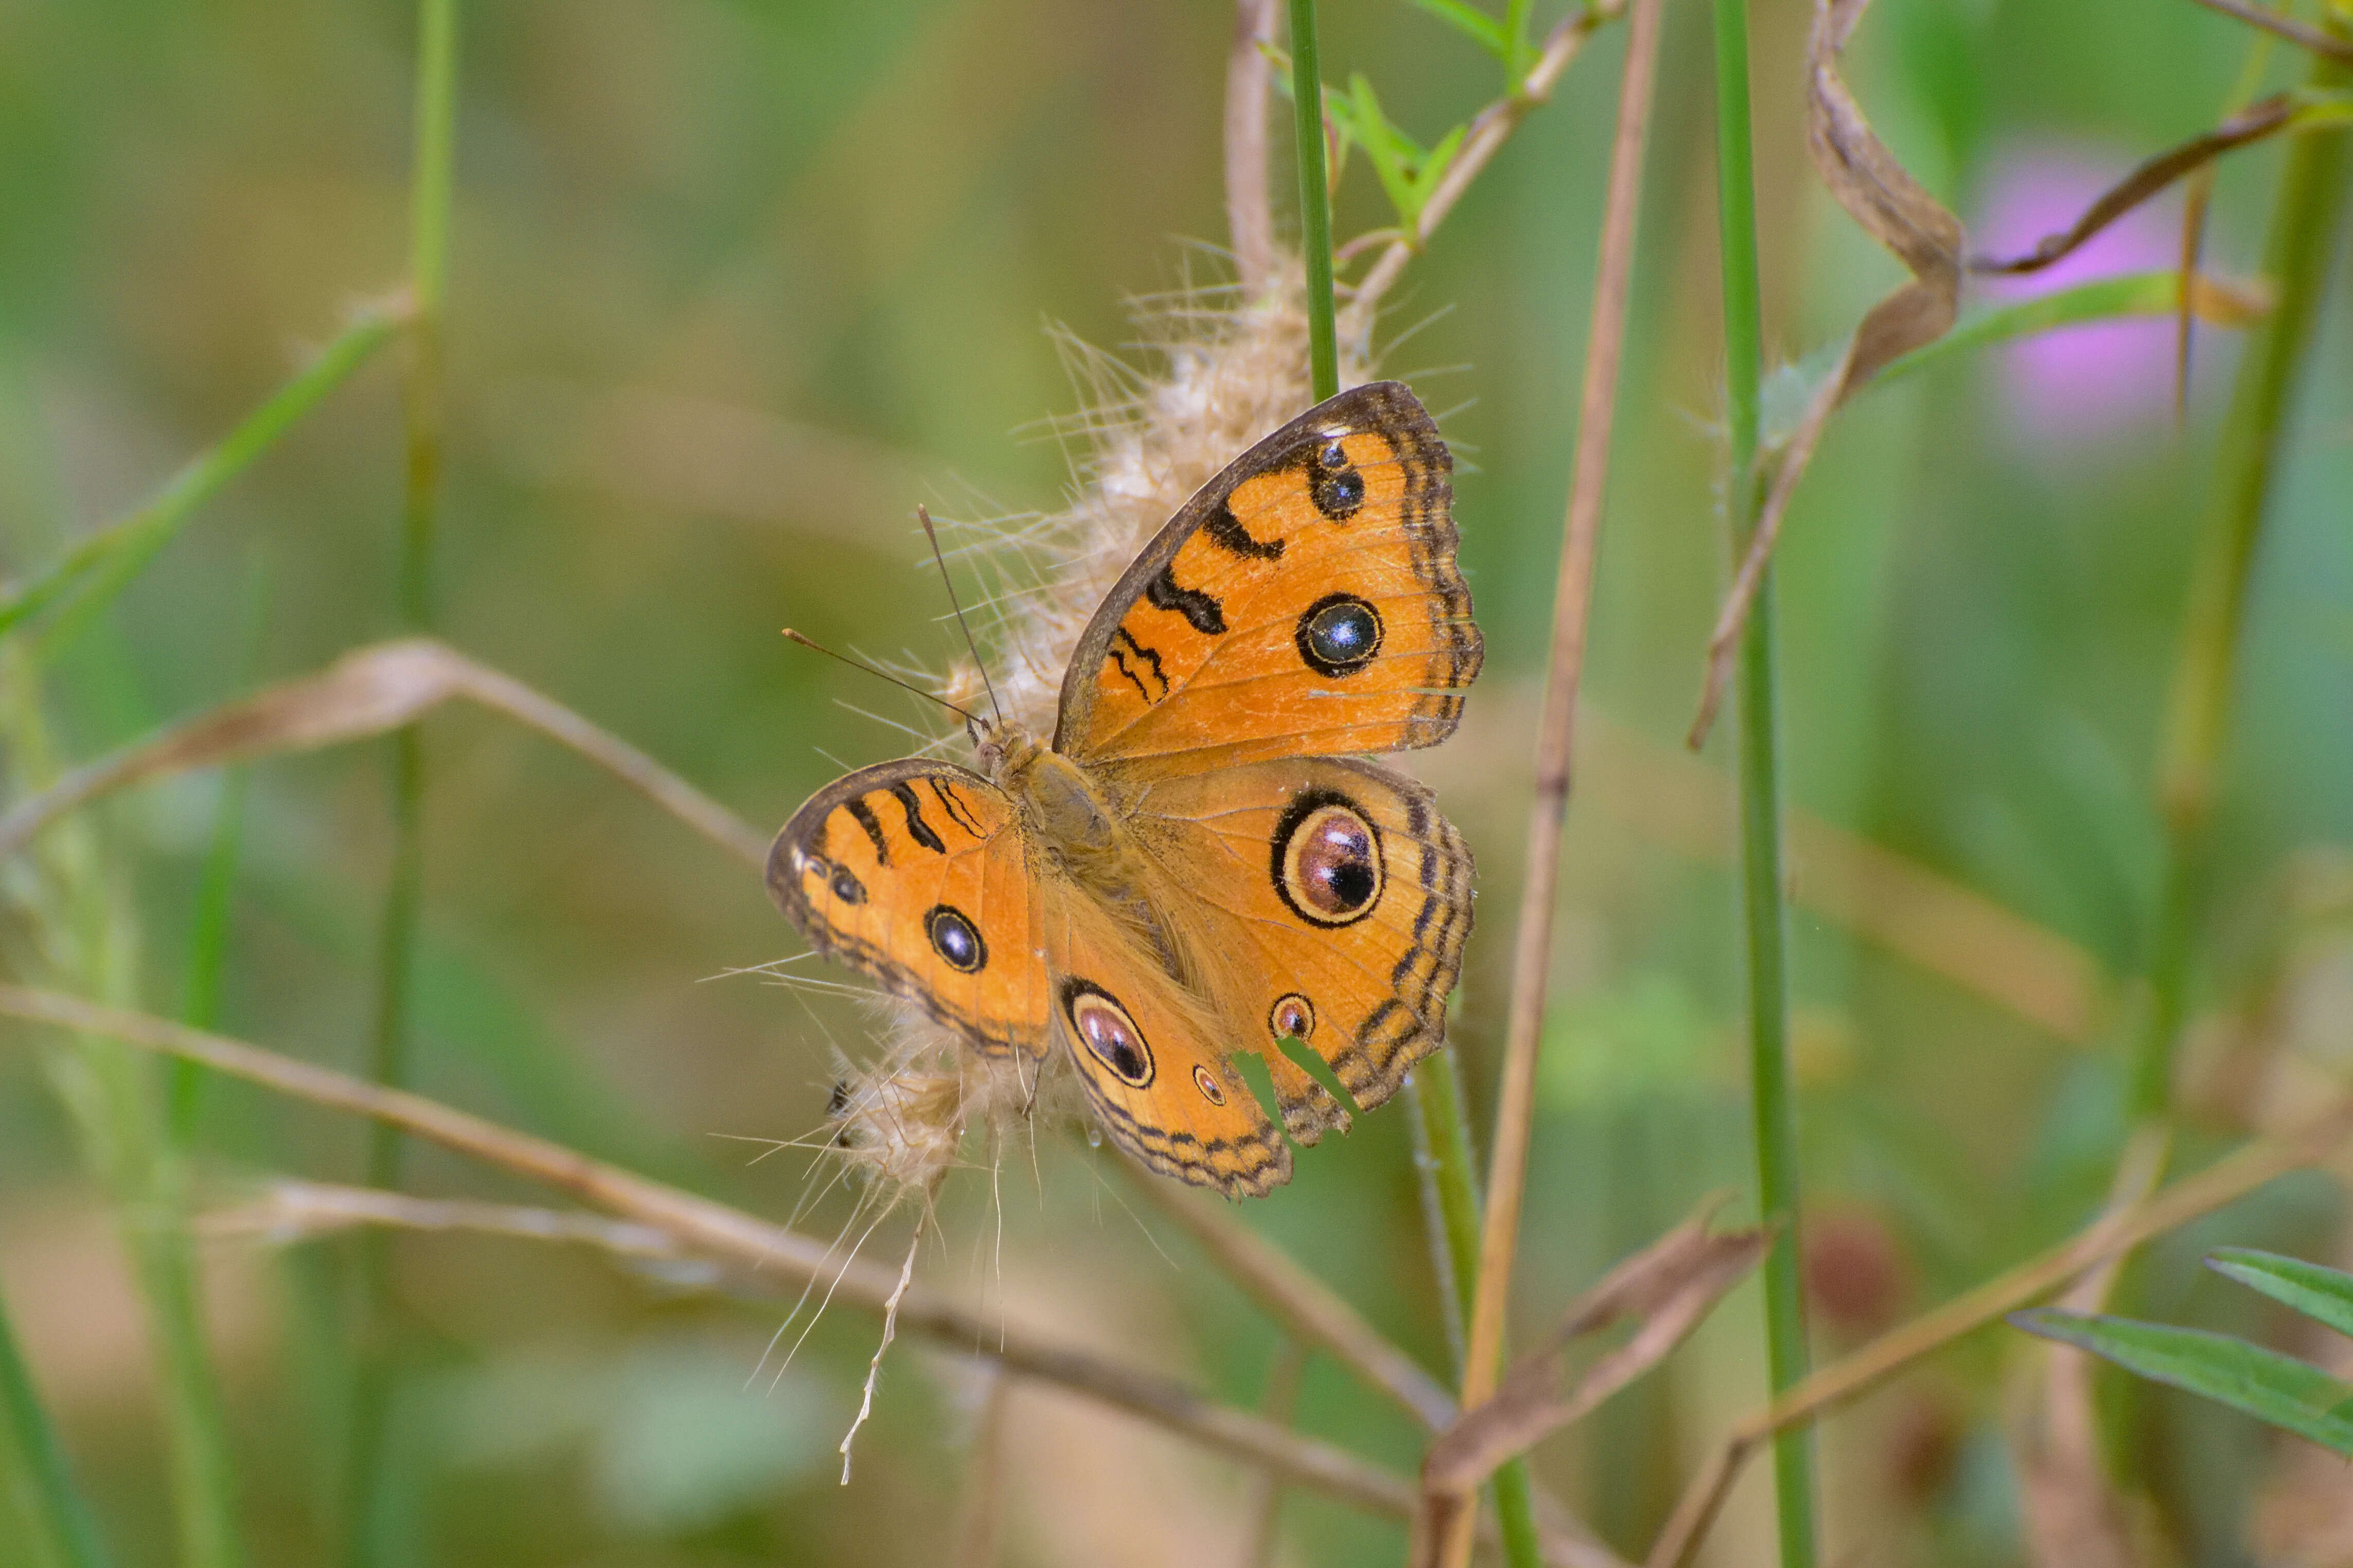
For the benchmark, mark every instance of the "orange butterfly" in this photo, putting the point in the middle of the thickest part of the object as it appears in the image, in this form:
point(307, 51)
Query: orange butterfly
point(1195, 866)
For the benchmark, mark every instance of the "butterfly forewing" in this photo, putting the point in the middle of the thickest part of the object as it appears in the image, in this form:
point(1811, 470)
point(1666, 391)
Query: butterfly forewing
point(915, 872)
point(1307, 602)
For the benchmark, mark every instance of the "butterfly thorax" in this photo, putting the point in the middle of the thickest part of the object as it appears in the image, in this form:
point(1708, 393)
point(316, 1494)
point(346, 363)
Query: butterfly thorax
point(1079, 825)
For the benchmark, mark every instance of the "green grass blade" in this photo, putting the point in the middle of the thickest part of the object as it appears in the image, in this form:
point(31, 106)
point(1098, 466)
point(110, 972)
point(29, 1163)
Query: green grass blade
point(2247, 459)
point(208, 930)
point(1314, 202)
point(1473, 23)
point(2102, 300)
point(2277, 1390)
point(1433, 168)
point(2324, 1295)
point(38, 1484)
point(87, 575)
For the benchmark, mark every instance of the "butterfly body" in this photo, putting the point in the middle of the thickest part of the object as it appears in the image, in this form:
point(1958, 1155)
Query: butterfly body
point(1195, 867)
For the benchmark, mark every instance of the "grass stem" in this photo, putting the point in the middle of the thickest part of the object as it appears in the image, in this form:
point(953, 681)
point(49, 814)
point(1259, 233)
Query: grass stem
point(88, 935)
point(1758, 773)
point(2296, 258)
point(1450, 1200)
point(1314, 201)
point(432, 189)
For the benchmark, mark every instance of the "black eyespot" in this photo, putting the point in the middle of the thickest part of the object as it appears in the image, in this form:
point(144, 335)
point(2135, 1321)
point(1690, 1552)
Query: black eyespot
point(1338, 634)
point(846, 887)
point(1327, 866)
point(1207, 1082)
point(1108, 1033)
point(956, 939)
point(1337, 488)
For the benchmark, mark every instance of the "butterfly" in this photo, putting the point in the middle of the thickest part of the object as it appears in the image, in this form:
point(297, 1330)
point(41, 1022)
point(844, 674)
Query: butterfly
point(1199, 862)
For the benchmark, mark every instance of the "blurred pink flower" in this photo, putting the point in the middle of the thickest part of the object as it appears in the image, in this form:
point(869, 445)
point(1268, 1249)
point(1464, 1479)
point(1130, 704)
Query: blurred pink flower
point(2084, 383)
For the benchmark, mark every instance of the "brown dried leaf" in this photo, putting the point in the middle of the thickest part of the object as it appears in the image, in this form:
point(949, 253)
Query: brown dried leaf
point(367, 692)
point(1666, 1290)
point(1882, 196)
point(1897, 210)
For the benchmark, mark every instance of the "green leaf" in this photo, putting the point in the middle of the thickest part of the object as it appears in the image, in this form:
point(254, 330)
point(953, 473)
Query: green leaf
point(1522, 54)
point(2275, 1389)
point(1392, 152)
point(1434, 164)
point(2324, 1295)
point(1475, 25)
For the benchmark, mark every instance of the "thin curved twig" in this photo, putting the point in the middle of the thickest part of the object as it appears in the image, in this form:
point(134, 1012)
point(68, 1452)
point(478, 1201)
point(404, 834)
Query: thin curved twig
point(370, 691)
point(1488, 132)
point(2300, 33)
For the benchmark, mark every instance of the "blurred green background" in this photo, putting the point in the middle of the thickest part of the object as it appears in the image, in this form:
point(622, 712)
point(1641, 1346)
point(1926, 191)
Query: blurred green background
point(737, 284)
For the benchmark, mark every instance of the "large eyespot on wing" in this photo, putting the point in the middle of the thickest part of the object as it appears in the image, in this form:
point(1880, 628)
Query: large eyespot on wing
point(1153, 1064)
point(915, 872)
point(1333, 901)
point(1307, 603)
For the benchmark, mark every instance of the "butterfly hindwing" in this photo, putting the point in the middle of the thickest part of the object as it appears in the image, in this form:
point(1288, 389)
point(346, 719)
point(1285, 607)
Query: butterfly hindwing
point(914, 871)
point(1154, 1062)
point(1307, 602)
point(1330, 904)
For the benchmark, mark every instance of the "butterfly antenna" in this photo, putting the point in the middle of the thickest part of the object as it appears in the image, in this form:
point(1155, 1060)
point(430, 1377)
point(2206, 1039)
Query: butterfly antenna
point(903, 685)
point(970, 647)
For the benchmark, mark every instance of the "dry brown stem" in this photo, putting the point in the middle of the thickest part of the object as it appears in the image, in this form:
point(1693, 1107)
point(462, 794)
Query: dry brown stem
point(371, 692)
point(1310, 1310)
point(2113, 1234)
point(2073, 1516)
point(1488, 132)
point(980, 1509)
point(761, 1253)
point(1250, 211)
point(1668, 1288)
point(1556, 737)
point(1265, 1508)
point(288, 1210)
